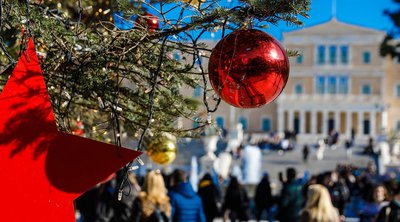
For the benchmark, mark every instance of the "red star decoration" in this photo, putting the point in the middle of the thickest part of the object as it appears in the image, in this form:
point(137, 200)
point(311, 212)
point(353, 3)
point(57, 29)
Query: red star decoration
point(43, 170)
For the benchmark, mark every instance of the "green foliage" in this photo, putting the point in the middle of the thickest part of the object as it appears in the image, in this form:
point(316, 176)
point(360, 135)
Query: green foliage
point(389, 46)
point(112, 78)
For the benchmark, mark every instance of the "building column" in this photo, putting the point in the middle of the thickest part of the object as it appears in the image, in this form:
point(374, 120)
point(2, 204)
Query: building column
point(313, 121)
point(302, 121)
point(372, 123)
point(349, 124)
point(281, 120)
point(337, 121)
point(338, 53)
point(326, 56)
point(233, 121)
point(384, 120)
point(360, 122)
point(325, 122)
point(290, 119)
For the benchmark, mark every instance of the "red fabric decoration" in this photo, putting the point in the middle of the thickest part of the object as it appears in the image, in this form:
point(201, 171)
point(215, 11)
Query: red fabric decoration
point(248, 68)
point(43, 170)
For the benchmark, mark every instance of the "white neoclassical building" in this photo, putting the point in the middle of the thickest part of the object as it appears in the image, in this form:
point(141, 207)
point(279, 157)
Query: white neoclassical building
point(338, 82)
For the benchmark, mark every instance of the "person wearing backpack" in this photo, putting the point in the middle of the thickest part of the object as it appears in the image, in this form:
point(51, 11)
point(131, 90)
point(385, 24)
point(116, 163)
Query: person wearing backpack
point(153, 204)
point(186, 204)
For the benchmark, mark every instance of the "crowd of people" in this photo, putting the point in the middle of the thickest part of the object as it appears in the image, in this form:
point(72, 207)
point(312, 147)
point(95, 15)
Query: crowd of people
point(285, 141)
point(331, 196)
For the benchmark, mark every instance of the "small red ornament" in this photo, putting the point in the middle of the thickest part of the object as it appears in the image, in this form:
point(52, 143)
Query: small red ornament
point(79, 130)
point(248, 68)
point(148, 20)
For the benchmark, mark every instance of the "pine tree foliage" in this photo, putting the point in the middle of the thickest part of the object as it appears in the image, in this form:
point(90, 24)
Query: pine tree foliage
point(128, 80)
point(390, 45)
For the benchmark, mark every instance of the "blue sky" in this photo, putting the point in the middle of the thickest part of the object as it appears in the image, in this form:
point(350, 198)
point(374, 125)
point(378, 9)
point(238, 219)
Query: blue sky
point(368, 13)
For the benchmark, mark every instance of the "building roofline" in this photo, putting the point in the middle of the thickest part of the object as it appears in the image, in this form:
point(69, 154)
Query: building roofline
point(335, 20)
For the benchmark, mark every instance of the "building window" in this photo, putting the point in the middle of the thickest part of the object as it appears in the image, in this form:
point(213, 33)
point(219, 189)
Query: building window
point(344, 54)
point(398, 91)
point(320, 85)
point(332, 84)
point(366, 57)
point(266, 124)
point(398, 125)
point(367, 126)
point(366, 89)
point(220, 122)
point(299, 59)
point(343, 85)
point(243, 121)
point(197, 91)
point(321, 54)
point(332, 54)
point(298, 89)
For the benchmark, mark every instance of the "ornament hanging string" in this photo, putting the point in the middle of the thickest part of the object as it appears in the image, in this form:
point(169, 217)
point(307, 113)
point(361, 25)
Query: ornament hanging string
point(205, 78)
point(28, 19)
point(26, 33)
point(3, 47)
point(152, 93)
point(1, 14)
point(115, 116)
point(64, 115)
point(153, 79)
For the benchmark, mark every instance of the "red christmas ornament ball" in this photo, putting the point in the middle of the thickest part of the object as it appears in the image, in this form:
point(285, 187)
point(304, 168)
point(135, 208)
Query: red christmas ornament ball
point(79, 129)
point(148, 20)
point(248, 68)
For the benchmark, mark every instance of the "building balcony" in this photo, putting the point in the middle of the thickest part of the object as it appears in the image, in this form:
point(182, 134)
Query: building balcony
point(351, 70)
point(329, 99)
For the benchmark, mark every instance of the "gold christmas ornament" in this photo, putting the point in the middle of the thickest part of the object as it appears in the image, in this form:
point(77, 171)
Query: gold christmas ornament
point(193, 2)
point(162, 149)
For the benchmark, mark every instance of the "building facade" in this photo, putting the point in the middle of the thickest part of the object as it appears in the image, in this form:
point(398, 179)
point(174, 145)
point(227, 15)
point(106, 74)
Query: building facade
point(338, 82)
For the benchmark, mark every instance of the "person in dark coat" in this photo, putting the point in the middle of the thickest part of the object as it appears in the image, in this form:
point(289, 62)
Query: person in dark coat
point(306, 151)
point(291, 199)
point(339, 191)
point(392, 212)
point(107, 197)
point(186, 204)
point(123, 208)
point(210, 196)
point(86, 204)
point(236, 202)
point(263, 197)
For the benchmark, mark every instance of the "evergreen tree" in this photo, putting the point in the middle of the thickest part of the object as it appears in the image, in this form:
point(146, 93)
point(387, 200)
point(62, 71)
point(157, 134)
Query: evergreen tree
point(389, 45)
point(128, 80)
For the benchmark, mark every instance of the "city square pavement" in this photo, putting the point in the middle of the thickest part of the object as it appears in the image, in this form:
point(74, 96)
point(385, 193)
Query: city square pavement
point(273, 162)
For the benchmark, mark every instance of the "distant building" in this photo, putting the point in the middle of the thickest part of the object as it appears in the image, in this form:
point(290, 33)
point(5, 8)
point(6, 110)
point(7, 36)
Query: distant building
point(338, 82)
